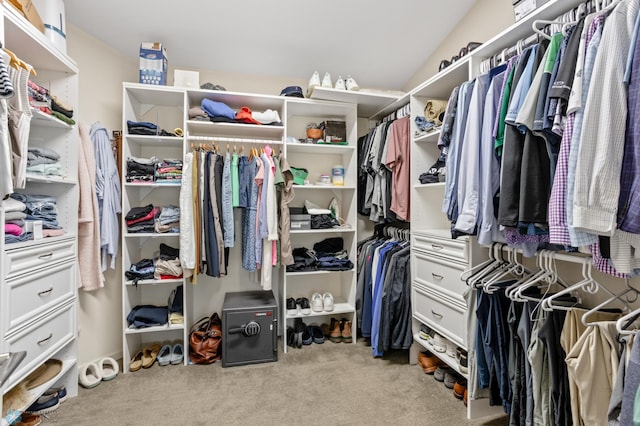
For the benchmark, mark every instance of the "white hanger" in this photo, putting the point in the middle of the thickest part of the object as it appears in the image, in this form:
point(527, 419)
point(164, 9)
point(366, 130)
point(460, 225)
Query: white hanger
point(540, 31)
point(627, 320)
point(514, 268)
point(587, 284)
point(614, 298)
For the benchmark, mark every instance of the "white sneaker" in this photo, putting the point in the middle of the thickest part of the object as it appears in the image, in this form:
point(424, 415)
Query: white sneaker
point(451, 349)
point(439, 343)
point(314, 81)
point(326, 80)
point(351, 84)
point(340, 84)
point(316, 302)
point(327, 300)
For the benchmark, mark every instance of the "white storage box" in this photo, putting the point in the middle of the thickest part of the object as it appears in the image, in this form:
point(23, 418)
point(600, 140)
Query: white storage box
point(186, 79)
point(53, 17)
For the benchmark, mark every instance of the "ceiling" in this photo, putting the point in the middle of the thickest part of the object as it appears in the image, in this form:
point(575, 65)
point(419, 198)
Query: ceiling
point(380, 44)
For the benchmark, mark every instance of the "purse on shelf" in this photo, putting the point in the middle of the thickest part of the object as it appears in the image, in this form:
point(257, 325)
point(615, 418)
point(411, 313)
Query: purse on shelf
point(204, 340)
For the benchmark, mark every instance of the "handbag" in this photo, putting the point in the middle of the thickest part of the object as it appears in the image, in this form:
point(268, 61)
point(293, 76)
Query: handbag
point(204, 340)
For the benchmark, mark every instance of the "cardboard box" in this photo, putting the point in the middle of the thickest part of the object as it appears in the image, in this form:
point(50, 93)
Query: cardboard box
point(153, 64)
point(28, 9)
point(186, 79)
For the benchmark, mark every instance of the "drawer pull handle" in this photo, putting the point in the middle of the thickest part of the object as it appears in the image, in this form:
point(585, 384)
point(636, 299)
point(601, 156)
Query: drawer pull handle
point(45, 292)
point(437, 315)
point(46, 256)
point(46, 339)
point(437, 246)
point(437, 276)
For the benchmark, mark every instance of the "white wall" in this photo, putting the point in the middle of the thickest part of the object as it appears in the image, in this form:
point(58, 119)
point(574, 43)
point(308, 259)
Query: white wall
point(483, 21)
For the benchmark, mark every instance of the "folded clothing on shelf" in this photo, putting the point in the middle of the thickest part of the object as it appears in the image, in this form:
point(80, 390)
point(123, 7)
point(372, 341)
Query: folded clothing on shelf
point(328, 254)
point(142, 316)
point(141, 128)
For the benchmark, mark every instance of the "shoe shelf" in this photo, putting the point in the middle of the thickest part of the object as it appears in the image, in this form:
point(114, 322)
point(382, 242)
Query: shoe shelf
point(429, 185)
point(149, 140)
point(240, 130)
point(154, 329)
point(338, 309)
point(450, 361)
point(312, 148)
point(322, 231)
point(428, 137)
point(153, 282)
point(50, 179)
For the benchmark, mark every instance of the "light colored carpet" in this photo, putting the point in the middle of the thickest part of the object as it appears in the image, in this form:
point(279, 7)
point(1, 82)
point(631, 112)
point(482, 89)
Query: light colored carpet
point(328, 384)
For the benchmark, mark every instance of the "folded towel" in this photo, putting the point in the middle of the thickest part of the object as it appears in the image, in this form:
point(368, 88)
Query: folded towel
point(434, 109)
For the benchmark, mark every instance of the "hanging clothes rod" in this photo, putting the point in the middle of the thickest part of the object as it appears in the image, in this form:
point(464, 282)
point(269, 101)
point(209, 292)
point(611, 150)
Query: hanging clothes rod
point(229, 139)
point(563, 257)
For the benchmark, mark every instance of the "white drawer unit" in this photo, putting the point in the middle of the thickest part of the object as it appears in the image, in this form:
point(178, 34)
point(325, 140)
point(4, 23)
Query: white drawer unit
point(20, 261)
point(29, 296)
point(440, 272)
point(43, 338)
point(441, 245)
point(443, 314)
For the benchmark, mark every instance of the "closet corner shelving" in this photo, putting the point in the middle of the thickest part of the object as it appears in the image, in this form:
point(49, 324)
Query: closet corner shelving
point(164, 106)
point(38, 282)
point(318, 160)
point(437, 260)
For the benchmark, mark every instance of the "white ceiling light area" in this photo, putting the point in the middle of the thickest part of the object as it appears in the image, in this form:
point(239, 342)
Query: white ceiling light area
point(380, 44)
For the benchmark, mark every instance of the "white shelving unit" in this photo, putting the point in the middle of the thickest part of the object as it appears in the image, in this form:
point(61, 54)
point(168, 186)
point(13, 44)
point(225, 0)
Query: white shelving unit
point(319, 159)
point(38, 283)
point(166, 107)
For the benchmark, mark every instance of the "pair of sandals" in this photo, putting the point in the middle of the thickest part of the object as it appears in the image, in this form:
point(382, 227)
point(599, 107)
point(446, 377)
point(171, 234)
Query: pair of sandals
point(464, 51)
point(171, 354)
point(94, 373)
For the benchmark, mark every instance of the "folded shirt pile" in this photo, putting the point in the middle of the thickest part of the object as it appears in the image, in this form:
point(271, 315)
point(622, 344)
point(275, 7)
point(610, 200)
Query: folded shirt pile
point(23, 208)
point(43, 161)
point(42, 100)
point(327, 255)
point(142, 219)
point(168, 170)
point(14, 223)
point(168, 221)
point(168, 263)
point(142, 270)
point(141, 170)
point(142, 128)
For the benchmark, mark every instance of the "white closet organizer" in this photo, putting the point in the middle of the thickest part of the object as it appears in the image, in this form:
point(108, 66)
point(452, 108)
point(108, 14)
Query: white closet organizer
point(38, 289)
point(165, 107)
point(319, 159)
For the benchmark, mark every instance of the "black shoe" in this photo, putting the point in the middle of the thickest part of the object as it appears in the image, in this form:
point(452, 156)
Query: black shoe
point(307, 339)
point(305, 307)
point(299, 328)
point(292, 308)
point(290, 336)
point(316, 334)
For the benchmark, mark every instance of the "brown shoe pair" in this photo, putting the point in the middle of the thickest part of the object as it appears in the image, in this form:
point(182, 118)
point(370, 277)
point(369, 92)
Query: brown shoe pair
point(429, 362)
point(340, 331)
point(460, 388)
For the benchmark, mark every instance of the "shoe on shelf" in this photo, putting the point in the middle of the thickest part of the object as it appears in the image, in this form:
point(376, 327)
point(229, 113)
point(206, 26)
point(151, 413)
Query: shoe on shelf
point(109, 367)
point(429, 362)
point(351, 84)
point(177, 354)
point(346, 331)
point(459, 388)
point(299, 328)
point(316, 333)
point(326, 80)
point(307, 338)
point(463, 362)
point(44, 404)
point(27, 419)
point(327, 302)
point(316, 302)
point(340, 84)
point(305, 307)
point(136, 362)
point(439, 343)
point(314, 81)
point(164, 356)
point(335, 334)
point(425, 332)
point(450, 379)
point(60, 392)
point(292, 307)
point(326, 331)
point(150, 354)
point(451, 349)
point(440, 372)
point(291, 336)
point(89, 375)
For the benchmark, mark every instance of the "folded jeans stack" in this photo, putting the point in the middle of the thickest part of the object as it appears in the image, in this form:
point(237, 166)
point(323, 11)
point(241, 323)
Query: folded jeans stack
point(168, 221)
point(40, 208)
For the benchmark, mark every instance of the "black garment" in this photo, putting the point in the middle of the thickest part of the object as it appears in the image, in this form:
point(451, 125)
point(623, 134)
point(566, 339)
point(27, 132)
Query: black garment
point(168, 253)
point(524, 333)
point(138, 212)
point(449, 119)
point(329, 245)
point(56, 107)
point(362, 176)
point(563, 83)
point(218, 169)
point(142, 316)
point(517, 360)
point(512, 154)
point(394, 322)
point(549, 334)
point(142, 131)
point(211, 245)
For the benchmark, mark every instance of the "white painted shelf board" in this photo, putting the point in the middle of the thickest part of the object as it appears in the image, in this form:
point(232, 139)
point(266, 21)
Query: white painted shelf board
point(338, 308)
point(311, 148)
point(428, 137)
point(167, 327)
point(368, 102)
point(32, 177)
point(148, 94)
point(150, 140)
point(41, 119)
point(240, 130)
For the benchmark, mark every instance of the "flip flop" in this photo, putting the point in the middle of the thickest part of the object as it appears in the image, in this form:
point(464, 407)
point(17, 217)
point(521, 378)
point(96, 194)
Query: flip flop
point(136, 362)
point(164, 356)
point(149, 355)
